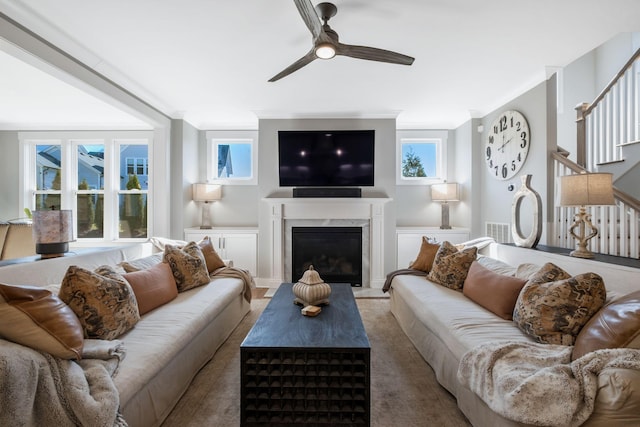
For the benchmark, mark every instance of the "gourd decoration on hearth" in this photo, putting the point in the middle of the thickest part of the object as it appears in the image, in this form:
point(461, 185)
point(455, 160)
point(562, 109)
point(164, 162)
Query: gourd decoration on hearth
point(311, 289)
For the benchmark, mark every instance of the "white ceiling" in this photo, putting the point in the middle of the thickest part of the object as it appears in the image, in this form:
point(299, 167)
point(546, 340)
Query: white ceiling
point(209, 61)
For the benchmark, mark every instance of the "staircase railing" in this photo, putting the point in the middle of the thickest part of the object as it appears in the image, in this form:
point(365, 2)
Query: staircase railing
point(611, 120)
point(618, 225)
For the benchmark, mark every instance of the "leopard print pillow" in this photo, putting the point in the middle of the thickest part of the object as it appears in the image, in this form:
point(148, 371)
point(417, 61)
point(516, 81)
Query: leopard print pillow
point(553, 306)
point(188, 266)
point(450, 267)
point(103, 301)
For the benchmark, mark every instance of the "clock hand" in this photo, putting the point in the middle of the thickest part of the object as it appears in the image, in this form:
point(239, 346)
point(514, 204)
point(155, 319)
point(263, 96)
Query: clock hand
point(501, 148)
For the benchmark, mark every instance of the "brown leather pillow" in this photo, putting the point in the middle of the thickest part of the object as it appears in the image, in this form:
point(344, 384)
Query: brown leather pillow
point(152, 287)
point(211, 257)
point(495, 292)
point(36, 318)
point(616, 325)
point(427, 254)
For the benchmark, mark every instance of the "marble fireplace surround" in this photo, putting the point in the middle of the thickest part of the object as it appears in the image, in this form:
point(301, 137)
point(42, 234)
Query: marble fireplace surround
point(367, 213)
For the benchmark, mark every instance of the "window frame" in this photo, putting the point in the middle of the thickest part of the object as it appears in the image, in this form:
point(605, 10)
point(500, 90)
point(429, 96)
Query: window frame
point(419, 137)
point(69, 142)
point(215, 138)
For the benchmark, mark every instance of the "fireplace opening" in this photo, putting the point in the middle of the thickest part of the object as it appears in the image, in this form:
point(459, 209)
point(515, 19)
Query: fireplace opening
point(334, 252)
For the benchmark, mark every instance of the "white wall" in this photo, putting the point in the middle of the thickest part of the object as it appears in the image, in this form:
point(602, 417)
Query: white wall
point(9, 175)
point(494, 197)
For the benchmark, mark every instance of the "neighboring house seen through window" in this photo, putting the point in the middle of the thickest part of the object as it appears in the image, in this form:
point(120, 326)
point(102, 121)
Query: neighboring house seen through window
point(102, 178)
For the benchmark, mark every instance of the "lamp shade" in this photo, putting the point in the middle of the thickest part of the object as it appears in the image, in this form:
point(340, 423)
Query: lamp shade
point(52, 226)
point(205, 192)
point(446, 192)
point(586, 189)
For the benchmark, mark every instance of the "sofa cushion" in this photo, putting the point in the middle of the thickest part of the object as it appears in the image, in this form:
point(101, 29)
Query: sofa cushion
point(34, 317)
point(103, 301)
point(188, 266)
point(152, 287)
point(141, 263)
point(424, 260)
point(615, 325)
point(450, 267)
point(496, 265)
point(553, 306)
point(497, 293)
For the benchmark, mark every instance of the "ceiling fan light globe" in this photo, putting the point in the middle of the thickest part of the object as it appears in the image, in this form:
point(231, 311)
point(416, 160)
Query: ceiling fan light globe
point(325, 51)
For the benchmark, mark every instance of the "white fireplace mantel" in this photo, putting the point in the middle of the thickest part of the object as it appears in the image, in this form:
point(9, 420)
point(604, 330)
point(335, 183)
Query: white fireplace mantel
point(370, 209)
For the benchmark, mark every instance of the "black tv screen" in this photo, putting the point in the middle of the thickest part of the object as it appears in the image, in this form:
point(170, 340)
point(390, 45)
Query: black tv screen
point(341, 158)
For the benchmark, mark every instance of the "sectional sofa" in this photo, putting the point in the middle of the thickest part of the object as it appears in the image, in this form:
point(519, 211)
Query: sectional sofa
point(445, 325)
point(169, 343)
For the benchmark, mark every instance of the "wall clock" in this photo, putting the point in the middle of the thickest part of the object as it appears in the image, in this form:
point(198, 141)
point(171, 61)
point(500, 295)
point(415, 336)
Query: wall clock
point(507, 144)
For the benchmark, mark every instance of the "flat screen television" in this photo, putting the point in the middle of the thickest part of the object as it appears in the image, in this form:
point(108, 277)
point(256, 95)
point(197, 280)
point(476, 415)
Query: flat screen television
point(341, 158)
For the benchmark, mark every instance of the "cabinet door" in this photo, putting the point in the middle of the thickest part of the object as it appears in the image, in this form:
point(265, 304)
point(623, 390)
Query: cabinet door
point(242, 249)
point(197, 235)
point(408, 248)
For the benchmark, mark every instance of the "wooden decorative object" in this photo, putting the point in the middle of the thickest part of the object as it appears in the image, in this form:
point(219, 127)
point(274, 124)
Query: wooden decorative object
point(533, 238)
point(311, 289)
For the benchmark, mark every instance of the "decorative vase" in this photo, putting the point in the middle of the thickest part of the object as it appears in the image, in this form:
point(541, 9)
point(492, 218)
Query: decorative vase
point(311, 289)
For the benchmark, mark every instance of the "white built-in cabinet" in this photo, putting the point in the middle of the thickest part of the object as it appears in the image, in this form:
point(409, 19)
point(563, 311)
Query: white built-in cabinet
point(409, 240)
point(239, 244)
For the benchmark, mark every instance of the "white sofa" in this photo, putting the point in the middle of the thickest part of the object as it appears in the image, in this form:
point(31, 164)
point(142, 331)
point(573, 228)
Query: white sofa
point(444, 324)
point(168, 346)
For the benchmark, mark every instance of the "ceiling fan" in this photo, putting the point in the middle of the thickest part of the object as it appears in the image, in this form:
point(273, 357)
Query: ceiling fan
point(326, 44)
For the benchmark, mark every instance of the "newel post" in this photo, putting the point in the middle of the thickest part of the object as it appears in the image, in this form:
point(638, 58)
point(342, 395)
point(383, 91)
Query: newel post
point(581, 134)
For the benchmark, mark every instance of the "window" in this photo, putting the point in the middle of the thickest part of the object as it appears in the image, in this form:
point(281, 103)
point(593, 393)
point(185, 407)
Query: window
point(102, 177)
point(232, 157)
point(421, 157)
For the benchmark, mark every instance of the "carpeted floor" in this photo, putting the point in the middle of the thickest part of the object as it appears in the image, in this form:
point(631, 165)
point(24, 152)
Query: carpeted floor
point(404, 391)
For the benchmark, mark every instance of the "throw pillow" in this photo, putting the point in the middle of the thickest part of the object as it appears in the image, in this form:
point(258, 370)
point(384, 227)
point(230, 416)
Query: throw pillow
point(553, 306)
point(103, 301)
point(187, 265)
point(36, 318)
point(152, 287)
point(614, 326)
point(141, 263)
point(496, 292)
point(211, 257)
point(450, 267)
point(424, 260)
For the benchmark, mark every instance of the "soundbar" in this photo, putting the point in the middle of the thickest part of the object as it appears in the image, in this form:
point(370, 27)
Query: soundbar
point(327, 192)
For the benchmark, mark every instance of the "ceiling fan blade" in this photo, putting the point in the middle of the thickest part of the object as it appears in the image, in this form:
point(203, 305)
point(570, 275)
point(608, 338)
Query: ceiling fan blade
point(295, 66)
point(309, 16)
point(373, 54)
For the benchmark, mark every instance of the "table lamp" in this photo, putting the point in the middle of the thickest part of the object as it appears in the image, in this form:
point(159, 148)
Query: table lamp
point(52, 232)
point(585, 189)
point(445, 193)
point(205, 192)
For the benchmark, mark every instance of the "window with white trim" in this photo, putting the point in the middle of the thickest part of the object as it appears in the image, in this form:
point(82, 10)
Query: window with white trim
point(421, 157)
point(232, 157)
point(103, 177)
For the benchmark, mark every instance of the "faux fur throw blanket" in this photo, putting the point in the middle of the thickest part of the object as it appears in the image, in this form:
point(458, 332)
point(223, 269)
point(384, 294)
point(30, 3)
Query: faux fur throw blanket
point(38, 389)
point(537, 383)
point(239, 273)
point(390, 276)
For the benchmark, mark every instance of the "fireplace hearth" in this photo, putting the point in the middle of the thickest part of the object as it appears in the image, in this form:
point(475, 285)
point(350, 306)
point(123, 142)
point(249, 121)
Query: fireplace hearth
point(335, 252)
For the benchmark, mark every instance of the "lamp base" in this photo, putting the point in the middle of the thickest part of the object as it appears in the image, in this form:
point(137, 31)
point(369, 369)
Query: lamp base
point(52, 250)
point(582, 253)
point(445, 217)
point(581, 224)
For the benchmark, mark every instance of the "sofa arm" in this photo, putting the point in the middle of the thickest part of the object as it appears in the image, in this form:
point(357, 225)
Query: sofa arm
point(228, 262)
point(618, 399)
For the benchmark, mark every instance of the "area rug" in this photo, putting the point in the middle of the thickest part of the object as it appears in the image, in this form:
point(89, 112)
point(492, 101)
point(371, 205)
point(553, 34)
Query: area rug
point(404, 391)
